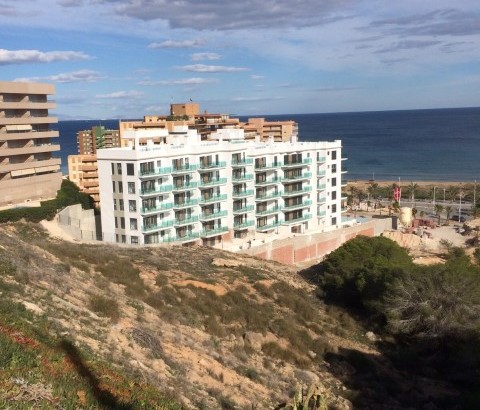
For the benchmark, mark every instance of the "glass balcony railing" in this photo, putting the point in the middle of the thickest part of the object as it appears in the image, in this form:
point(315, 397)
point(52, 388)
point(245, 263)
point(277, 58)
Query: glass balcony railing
point(264, 197)
point(155, 172)
point(269, 181)
point(176, 169)
point(213, 232)
point(186, 221)
point(243, 209)
point(156, 190)
point(188, 237)
point(299, 219)
point(213, 182)
point(297, 191)
point(158, 208)
point(243, 193)
point(272, 210)
point(321, 186)
point(242, 162)
point(321, 214)
point(157, 226)
point(243, 225)
point(263, 166)
point(212, 165)
point(185, 187)
point(247, 177)
point(268, 227)
point(322, 200)
point(213, 198)
point(213, 215)
point(304, 161)
point(305, 175)
point(185, 204)
point(303, 204)
point(321, 173)
point(321, 159)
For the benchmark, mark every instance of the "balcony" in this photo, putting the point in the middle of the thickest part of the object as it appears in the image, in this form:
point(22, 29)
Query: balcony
point(321, 214)
point(186, 221)
point(243, 225)
point(297, 191)
point(205, 233)
point(303, 204)
point(262, 167)
point(11, 136)
point(37, 164)
point(322, 200)
point(268, 227)
point(242, 162)
point(182, 169)
point(185, 187)
point(213, 215)
point(270, 211)
point(247, 177)
point(321, 173)
point(321, 187)
point(305, 161)
point(27, 105)
point(30, 149)
point(271, 181)
point(297, 220)
point(213, 182)
point(159, 226)
point(242, 194)
point(156, 190)
point(344, 170)
point(212, 165)
point(27, 120)
point(321, 159)
point(213, 198)
point(268, 196)
point(155, 172)
point(186, 238)
point(185, 204)
point(246, 208)
point(159, 208)
point(305, 175)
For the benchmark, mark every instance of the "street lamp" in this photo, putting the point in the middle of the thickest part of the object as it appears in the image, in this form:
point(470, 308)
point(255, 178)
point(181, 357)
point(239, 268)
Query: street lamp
point(434, 188)
point(460, 206)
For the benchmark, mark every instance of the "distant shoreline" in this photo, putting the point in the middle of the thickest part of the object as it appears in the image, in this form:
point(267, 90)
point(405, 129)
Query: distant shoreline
point(420, 184)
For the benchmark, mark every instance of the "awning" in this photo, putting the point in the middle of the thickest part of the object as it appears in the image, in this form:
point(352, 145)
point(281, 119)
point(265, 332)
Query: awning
point(18, 127)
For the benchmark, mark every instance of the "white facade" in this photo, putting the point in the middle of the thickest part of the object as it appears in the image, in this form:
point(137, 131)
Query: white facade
point(187, 190)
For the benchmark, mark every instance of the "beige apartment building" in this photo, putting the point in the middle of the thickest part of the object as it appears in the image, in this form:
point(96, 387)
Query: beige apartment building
point(28, 170)
point(83, 171)
point(280, 131)
point(97, 138)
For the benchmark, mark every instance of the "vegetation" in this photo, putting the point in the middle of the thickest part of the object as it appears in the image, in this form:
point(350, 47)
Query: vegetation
point(69, 194)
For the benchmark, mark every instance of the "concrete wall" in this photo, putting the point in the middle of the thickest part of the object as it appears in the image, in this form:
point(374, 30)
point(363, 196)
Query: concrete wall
point(315, 246)
point(79, 223)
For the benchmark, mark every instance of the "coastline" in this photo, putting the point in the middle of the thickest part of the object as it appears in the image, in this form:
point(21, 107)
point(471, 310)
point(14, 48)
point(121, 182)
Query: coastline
point(364, 184)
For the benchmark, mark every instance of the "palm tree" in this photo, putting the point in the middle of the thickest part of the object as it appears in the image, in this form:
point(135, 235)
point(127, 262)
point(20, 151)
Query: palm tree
point(438, 211)
point(448, 210)
point(414, 212)
point(372, 190)
point(412, 187)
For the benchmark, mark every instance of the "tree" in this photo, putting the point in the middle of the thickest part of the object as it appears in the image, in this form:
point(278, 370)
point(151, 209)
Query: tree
point(414, 212)
point(438, 211)
point(448, 210)
point(411, 191)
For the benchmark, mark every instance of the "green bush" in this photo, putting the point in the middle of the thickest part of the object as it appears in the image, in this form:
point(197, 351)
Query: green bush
point(105, 307)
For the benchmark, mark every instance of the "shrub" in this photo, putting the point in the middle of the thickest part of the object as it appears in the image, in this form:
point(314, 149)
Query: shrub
point(105, 307)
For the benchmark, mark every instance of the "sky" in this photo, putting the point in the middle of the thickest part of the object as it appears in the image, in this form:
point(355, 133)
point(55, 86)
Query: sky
point(130, 58)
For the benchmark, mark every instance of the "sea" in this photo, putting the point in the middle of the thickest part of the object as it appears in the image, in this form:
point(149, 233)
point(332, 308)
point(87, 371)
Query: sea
point(410, 145)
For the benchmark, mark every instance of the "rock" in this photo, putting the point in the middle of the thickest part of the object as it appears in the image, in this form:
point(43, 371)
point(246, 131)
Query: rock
point(371, 336)
point(227, 263)
point(253, 339)
point(311, 354)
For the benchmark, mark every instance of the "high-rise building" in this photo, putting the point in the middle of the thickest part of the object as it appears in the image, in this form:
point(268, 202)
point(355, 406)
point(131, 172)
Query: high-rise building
point(83, 172)
point(28, 170)
point(185, 190)
point(98, 137)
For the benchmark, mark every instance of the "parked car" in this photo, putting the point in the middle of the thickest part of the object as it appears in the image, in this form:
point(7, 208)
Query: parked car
point(459, 218)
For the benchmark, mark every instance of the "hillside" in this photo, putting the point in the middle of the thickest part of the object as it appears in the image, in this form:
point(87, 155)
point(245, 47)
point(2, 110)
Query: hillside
point(177, 327)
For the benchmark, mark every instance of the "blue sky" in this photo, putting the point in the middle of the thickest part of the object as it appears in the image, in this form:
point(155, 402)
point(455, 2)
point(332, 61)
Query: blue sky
point(129, 58)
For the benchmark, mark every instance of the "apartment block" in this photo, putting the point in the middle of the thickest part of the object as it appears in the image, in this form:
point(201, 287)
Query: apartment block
point(279, 131)
point(184, 190)
point(83, 171)
point(28, 170)
point(97, 138)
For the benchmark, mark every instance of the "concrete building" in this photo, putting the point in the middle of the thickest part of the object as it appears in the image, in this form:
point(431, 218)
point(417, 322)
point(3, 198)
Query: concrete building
point(175, 188)
point(280, 131)
point(28, 170)
point(98, 137)
point(83, 171)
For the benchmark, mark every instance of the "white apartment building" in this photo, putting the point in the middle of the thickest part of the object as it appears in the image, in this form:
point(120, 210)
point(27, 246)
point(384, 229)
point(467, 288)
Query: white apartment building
point(184, 190)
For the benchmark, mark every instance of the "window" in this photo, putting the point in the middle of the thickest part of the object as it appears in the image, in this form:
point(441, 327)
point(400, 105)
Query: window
point(113, 168)
point(132, 205)
point(131, 187)
point(334, 195)
point(334, 168)
point(334, 208)
point(133, 224)
point(334, 221)
point(334, 181)
point(120, 203)
point(124, 239)
point(114, 204)
point(116, 222)
point(134, 240)
point(120, 187)
point(334, 154)
point(119, 168)
point(130, 169)
point(122, 222)
point(113, 186)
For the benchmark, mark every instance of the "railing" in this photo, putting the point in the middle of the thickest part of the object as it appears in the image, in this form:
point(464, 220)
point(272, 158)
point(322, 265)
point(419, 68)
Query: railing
point(246, 177)
point(243, 225)
point(272, 210)
point(297, 191)
point(244, 209)
point(241, 194)
point(321, 173)
point(189, 237)
point(161, 188)
point(156, 171)
point(269, 226)
point(187, 186)
point(213, 198)
point(305, 175)
point(261, 167)
point(297, 163)
point(184, 168)
point(308, 202)
point(161, 225)
point(268, 196)
point(321, 186)
point(213, 165)
point(321, 159)
point(300, 219)
point(186, 221)
point(242, 162)
point(214, 231)
point(270, 181)
point(213, 182)
point(158, 208)
point(213, 215)
point(321, 214)
point(322, 200)
point(185, 204)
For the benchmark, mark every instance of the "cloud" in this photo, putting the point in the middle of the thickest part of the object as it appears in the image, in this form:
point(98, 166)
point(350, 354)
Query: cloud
point(183, 81)
point(257, 77)
point(205, 56)
point(71, 3)
point(121, 94)
point(36, 56)
point(177, 44)
point(409, 45)
point(252, 99)
point(202, 68)
point(87, 76)
point(230, 15)
point(336, 89)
